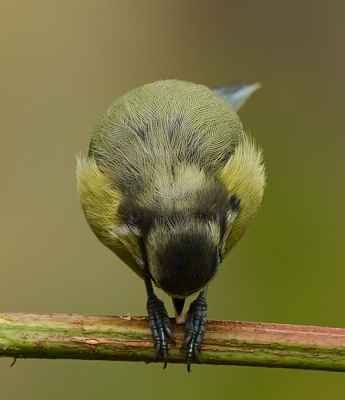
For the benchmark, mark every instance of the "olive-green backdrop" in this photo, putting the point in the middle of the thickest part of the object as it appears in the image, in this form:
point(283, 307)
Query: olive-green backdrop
point(62, 63)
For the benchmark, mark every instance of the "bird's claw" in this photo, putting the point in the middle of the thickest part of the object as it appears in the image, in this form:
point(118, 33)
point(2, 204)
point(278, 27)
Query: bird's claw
point(195, 329)
point(160, 326)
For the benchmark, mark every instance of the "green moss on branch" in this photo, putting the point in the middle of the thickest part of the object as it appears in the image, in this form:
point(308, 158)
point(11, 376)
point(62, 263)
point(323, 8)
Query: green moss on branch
point(104, 337)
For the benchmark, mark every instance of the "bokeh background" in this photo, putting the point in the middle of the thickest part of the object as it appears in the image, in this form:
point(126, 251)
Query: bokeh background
point(62, 63)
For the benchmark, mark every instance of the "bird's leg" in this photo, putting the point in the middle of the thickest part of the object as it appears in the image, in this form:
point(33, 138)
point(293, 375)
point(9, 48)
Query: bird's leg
point(159, 322)
point(195, 328)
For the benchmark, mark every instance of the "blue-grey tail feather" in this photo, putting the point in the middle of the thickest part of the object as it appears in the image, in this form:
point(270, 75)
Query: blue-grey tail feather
point(236, 94)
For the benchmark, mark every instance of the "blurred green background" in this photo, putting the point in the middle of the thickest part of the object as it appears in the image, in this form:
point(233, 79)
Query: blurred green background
point(62, 63)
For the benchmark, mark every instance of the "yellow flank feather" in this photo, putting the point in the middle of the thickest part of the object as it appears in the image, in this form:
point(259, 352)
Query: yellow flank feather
point(244, 176)
point(100, 202)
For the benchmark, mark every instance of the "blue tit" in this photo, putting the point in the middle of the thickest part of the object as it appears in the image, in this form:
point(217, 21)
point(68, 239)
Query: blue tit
point(170, 184)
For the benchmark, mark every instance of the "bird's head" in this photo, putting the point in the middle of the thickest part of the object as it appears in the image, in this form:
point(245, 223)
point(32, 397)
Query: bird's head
point(183, 256)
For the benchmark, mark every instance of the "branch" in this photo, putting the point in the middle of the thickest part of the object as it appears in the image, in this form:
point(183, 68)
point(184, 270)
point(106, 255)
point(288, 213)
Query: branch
point(103, 337)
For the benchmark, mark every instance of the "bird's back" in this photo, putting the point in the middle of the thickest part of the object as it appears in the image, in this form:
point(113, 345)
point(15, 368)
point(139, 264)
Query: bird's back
point(156, 128)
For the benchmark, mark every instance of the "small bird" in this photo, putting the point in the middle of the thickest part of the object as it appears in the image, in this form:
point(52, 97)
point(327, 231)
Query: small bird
point(170, 183)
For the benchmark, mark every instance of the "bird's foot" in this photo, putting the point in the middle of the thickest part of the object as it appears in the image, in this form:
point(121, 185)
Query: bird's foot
point(160, 326)
point(195, 329)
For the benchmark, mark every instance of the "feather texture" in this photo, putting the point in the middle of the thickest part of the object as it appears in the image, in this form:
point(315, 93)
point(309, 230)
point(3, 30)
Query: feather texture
point(175, 152)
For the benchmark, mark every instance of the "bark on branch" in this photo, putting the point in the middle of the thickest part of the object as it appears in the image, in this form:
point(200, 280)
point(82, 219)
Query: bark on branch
point(128, 338)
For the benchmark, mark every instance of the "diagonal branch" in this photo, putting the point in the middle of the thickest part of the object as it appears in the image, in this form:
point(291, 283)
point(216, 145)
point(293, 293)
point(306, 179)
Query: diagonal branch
point(104, 337)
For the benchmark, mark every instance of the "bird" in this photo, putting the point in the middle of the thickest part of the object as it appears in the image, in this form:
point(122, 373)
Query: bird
point(170, 183)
